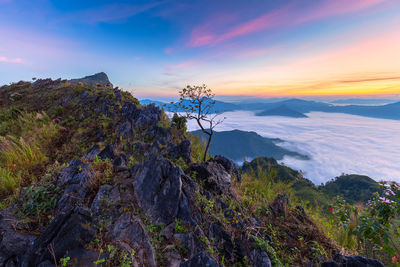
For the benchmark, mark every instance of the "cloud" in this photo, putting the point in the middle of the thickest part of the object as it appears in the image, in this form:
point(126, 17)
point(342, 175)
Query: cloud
point(337, 143)
point(370, 79)
point(11, 60)
point(210, 34)
point(108, 13)
point(170, 70)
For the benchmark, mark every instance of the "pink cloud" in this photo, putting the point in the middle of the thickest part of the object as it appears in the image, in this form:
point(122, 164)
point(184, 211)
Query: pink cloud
point(108, 13)
point(182, 65)
point(210, 33)
point(201, 35)
point(11, 60)
point(330, 8)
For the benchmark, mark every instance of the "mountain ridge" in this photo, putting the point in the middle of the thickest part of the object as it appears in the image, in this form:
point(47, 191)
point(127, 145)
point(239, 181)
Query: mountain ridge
point(89, 176)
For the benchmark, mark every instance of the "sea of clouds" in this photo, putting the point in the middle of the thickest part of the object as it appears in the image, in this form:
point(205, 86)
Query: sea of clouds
point(336, 143)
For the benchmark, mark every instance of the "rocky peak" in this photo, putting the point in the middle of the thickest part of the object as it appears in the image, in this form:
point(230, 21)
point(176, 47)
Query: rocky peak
point(98, 78)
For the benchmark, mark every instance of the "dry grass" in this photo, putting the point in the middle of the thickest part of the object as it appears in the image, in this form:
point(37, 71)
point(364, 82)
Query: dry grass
point(24, 150)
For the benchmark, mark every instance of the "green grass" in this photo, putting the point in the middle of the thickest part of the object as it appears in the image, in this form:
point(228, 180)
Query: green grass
point(8, 181)
point(260, 188)
point(24, 148)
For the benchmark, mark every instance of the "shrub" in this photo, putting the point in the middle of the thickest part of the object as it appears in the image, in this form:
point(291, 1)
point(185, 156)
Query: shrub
point(179, 122)
point(374, 227)
point(198, 147)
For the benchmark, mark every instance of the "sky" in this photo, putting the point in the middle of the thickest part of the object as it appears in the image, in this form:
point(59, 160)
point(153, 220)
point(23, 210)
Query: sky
point(258, 48)
point(336, 143)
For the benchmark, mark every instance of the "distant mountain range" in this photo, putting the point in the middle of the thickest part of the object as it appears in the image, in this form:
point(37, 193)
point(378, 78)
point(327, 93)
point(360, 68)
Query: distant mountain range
point(360, 101)
point(282, 110)
point(237, 145)
point(297, 108)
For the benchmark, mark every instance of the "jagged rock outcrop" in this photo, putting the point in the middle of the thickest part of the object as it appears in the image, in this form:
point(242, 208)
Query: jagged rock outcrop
point(130, 234)
point(158, 188)
point(67, 231)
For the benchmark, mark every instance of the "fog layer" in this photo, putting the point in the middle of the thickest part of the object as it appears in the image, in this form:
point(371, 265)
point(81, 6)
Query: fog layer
point(336, 143)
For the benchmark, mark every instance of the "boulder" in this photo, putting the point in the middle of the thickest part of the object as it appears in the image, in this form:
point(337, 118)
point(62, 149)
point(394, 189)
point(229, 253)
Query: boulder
point(158, 188)
point(129, 111)
point(130, 234)
point(149, 116)
point(125, 129)
point(107, 197)
point(222, 241)
point(191, 242)
point(13, 244)
point(200, 260)
point(67, 231)
point(85, 258)
point(229, 166)
point(92, 154)
point(183, 150)
point(259, 258)
point(212, 175)
point(353, 261)
point(76, 180)
point(107, 153)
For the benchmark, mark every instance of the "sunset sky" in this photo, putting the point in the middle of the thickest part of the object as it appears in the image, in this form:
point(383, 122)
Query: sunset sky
point(309, 48)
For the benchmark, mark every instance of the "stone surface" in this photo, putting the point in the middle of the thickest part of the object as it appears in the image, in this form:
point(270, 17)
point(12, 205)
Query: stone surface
point(98, 78)
point(75, 179)
point(222, 241)
point(353, 261)
point(213, 175)
point(229, 166)
point(260, 258)
point(67, 231)
point(200, 260)
point(158, 188)
point(13, 244)
point(130, 234)
point(107, 197)
point(280, 205)
point(183, 150)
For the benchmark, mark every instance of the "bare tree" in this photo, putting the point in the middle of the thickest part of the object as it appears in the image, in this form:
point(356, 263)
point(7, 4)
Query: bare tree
point(198, 104)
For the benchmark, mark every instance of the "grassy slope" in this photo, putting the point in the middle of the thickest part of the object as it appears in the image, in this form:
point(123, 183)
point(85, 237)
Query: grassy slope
point(51, 124)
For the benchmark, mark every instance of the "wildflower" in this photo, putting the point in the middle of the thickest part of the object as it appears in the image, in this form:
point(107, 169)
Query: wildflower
point(385, 200)
point(389, 192)
point(395, 258)
point(330, 208)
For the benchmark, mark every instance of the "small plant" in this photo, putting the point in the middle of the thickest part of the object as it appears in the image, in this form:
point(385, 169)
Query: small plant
point(318, 252)
point(36, 201)
point(64, 261)
point(99, 261)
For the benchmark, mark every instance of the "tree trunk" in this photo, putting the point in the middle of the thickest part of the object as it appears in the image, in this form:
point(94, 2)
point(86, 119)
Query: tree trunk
point(207, 147)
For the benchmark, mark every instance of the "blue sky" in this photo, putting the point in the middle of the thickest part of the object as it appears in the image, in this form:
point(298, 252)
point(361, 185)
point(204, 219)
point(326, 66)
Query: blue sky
point(259, 48)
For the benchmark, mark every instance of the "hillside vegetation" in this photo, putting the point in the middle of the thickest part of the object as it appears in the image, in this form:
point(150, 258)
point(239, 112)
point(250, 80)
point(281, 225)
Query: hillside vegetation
point(89, 177)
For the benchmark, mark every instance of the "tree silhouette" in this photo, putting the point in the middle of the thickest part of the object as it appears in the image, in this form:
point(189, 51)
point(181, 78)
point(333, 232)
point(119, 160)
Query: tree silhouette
point(198, 104)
